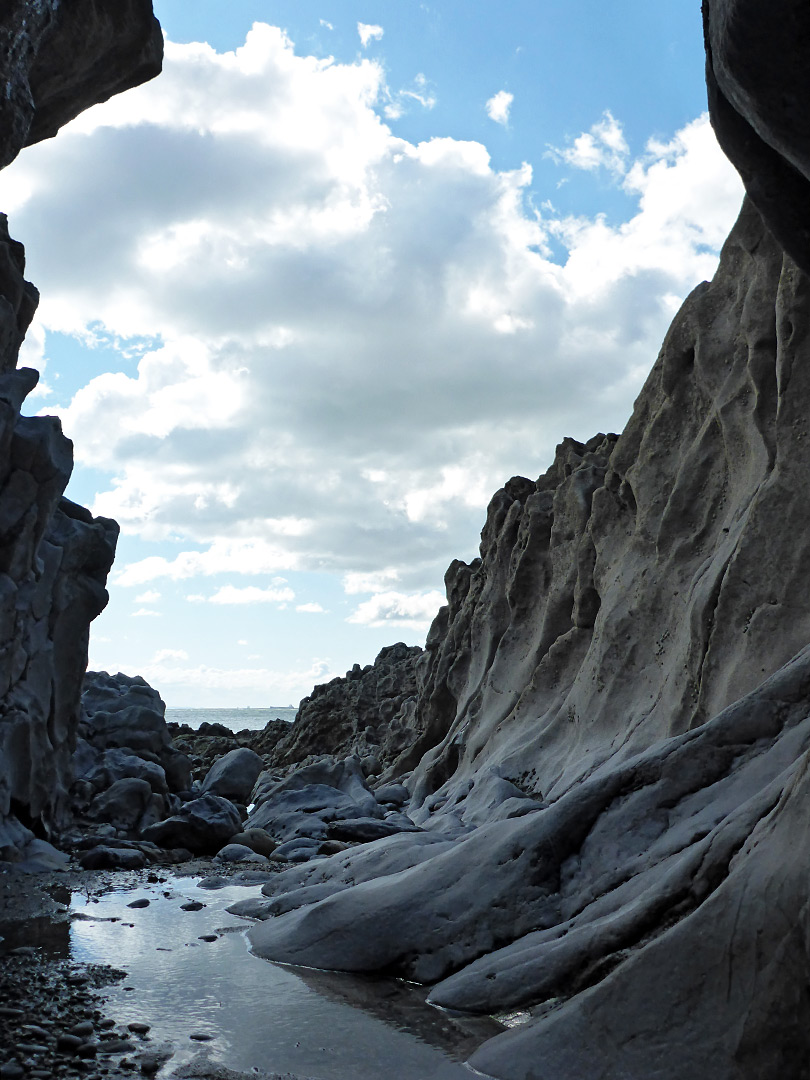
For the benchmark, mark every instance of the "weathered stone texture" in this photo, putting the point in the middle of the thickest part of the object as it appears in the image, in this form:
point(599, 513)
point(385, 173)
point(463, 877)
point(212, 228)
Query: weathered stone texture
point(619, 699)
point(56, 59)
point(369, 712)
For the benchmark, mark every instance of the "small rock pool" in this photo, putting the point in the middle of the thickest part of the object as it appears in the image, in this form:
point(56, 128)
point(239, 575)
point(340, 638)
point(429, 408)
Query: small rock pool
point(191, 978)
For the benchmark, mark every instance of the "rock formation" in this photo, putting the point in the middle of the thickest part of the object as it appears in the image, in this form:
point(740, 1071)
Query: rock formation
point(370, 712)
point(756, 73)
point(55, 60)
point(615, 703)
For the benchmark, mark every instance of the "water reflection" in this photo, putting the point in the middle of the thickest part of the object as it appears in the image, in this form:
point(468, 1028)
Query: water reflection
point(190, 973)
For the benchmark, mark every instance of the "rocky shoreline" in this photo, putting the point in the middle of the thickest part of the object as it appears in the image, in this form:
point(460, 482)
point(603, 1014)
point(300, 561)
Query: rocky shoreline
point(587, 799)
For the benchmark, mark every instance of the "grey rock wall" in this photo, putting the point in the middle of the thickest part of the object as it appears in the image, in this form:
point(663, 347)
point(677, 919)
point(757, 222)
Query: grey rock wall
point(619, 696)
point(56, 58)
point(646, 582)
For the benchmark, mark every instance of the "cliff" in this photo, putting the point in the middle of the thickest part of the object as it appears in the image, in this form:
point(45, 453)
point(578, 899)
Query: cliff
point(615, 702)
point(55, 60)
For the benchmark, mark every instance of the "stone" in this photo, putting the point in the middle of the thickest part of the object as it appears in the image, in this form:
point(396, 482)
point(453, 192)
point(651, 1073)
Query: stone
point(125, 718)
point(104, 857)
point(202, 826)
point(234, 775)
point(123, 804)
point(234, 852)
point(392, 795)
point(106, 767)
point(302, 803)
point(364, 830)
point(258, 840)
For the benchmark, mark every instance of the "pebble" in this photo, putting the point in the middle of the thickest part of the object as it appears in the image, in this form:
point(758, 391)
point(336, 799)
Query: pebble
point(207, 937)
point(192, 905)
point(69, 1043)
point(37, 1031)
point(116, 1046)
point(11, 1071)
point(200, 1036)
point(84, 1029)
point(138, 1028)
point(143, 902)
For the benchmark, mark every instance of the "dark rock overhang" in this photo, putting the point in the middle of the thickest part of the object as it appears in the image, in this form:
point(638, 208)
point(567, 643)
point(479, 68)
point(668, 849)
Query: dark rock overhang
point(758, 80)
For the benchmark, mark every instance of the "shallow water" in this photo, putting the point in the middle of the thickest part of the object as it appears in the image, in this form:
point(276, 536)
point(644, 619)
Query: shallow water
point(259, 1015)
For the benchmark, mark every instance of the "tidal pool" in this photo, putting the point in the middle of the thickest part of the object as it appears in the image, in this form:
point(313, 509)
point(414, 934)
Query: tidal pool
point(258, 1016)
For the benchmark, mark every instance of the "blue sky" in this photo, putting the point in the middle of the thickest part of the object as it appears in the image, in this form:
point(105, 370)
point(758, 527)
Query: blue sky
point(314, 294)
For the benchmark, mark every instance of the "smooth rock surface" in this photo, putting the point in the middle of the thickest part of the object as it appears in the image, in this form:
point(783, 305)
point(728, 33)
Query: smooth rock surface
point(234, 775)
point(201, 825)
point(303, 803)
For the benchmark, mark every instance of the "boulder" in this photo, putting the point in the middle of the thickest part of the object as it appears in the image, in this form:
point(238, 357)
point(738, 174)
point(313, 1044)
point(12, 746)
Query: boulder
point(239, 853)
point(234, 775)
point(202, 826)
point(123, 804)
point(258, 840)
point(303, 803)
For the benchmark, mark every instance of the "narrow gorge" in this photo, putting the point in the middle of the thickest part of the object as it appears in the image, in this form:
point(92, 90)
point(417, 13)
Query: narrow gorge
point(586, 801)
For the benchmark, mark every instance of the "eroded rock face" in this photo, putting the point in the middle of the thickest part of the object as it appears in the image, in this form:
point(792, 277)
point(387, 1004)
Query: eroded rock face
point(619, 694)
point(643, 584)
point(56, 58)
point(370, 712)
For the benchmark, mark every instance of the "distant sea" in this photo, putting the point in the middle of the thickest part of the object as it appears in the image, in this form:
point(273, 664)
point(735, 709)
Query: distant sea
point(235, 719)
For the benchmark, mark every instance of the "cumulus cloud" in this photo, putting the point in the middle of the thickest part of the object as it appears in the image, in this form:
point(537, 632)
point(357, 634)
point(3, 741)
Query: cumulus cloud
point(151, 596)
point(353, 339)
point(162, 655)
point(251, 594)
point(145, 613)
point(310, 609)
point(416, 611)
point(604, 146)
point(498, 107)
point(369, 32)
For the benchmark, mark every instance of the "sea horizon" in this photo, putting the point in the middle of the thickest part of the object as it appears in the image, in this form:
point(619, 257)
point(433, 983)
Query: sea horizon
point(237, 718)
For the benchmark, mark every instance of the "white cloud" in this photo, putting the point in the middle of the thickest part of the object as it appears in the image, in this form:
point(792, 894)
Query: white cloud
point(229, 594)
point(399, 609)
point(369, 32)
point(498, 107)
point(326, 25)
point(604, 146)
point(151, 596)
point(312, 608)
point(146, 613)
point(162, 655)
point(376, 581)
point(265, 682)
point(355, 339)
